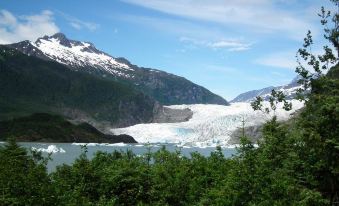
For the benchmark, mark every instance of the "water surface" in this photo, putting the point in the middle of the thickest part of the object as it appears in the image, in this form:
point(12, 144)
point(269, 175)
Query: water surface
point(66, 153)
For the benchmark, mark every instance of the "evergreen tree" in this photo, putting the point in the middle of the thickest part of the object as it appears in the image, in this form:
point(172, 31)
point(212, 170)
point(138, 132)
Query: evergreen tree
point(23, 177)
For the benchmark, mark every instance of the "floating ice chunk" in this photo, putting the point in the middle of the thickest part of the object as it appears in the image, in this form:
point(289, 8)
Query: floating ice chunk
point(79, 144)
point(120, 144)
point(91, 144)
point(50, 149)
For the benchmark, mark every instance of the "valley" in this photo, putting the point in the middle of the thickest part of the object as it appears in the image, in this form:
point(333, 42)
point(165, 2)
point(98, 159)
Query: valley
point(169, 103)
point(73, 79)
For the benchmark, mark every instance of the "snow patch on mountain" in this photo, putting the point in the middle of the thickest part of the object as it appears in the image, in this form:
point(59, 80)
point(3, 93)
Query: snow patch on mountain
point(80, 54)
point(210, 125)
point(290, 90)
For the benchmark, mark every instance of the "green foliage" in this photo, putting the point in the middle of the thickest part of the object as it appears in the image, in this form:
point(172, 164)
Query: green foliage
point(309, 153)
point(275, 98)
point(23, 177)
point(318, 132)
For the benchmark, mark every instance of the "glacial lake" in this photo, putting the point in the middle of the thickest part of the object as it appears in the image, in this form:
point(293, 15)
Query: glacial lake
point(66, 153)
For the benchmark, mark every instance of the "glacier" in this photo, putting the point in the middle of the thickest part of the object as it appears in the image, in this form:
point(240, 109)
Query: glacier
point(210, 125)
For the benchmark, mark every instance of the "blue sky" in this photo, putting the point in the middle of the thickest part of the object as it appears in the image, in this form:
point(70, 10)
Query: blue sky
point(227, 46)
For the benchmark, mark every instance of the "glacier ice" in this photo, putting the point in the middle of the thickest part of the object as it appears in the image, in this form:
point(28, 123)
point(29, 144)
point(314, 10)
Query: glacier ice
point(211, 125)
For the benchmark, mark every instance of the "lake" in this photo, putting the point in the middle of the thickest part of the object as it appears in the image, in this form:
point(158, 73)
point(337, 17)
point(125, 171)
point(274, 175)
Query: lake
point(68, 152)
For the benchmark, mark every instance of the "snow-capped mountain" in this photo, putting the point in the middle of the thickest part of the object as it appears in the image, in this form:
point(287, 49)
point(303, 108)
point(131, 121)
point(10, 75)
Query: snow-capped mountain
point(79, 54)
point(289, 90)
point(76, 54)
point(84, 56)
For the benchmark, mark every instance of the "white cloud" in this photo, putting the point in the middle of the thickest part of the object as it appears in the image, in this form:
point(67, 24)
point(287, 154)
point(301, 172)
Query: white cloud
point(232, 45)
point(287, 60)
point(193, 35)
point(31, 27)
point(7, 18)
point(77, 23)
point(284, 60)
point(174, 26)
point(228, 44)
point(258, 15)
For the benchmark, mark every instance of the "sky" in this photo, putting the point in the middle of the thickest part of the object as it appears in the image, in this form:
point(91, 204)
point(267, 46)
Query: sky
point(227, 46)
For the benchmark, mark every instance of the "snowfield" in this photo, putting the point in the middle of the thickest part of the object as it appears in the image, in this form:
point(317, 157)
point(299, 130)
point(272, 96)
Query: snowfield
point(211, 125)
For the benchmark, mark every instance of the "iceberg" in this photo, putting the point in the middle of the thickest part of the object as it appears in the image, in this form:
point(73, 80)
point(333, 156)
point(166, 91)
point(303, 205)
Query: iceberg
point(49, 149)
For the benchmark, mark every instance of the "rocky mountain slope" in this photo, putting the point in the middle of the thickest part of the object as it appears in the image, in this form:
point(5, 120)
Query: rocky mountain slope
point(83, 56)
point(289, 90)
point(29, 85)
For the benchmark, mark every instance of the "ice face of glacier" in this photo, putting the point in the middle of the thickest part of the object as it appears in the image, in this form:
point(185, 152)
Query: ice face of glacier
point(210, 125)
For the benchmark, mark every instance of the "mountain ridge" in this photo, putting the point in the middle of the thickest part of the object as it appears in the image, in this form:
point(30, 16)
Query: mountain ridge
point(289, 90)
point(84, 56)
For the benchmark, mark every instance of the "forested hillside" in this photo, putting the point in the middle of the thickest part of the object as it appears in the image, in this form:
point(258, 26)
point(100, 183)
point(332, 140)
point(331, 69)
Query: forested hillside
point(42, 127)
point(30, 85)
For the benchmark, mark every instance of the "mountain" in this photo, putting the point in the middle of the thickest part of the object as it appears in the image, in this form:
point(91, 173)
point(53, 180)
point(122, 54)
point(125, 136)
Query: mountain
point(29, 85)
point(41, 127)
point(289, 90)
point(83, 56)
